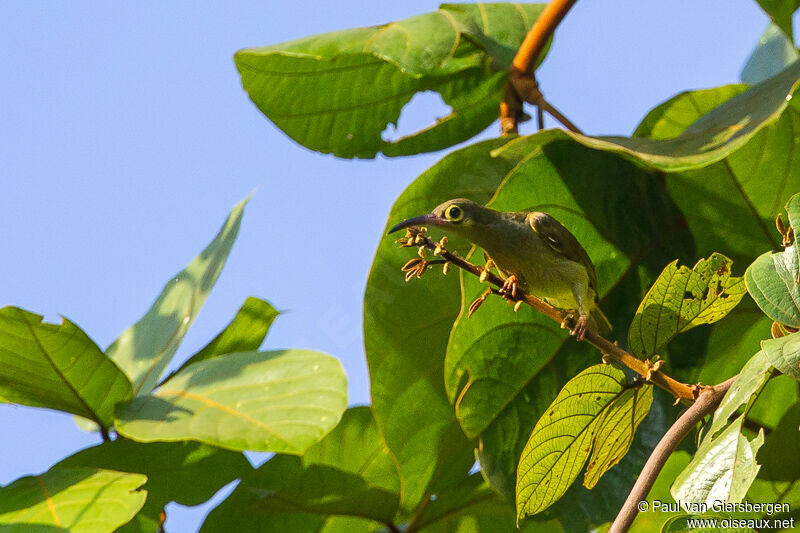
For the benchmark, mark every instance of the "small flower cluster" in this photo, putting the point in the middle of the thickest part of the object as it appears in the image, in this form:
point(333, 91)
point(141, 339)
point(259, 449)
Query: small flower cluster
point(417, 266)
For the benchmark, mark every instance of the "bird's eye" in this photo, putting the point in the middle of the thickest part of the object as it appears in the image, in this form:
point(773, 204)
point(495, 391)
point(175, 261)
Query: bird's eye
point(454, 213)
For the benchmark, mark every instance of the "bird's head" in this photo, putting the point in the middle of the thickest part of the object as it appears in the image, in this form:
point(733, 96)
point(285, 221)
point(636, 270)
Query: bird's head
point(460, 216)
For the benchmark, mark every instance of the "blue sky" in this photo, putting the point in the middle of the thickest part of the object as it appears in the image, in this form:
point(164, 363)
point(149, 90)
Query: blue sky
point(125, 138)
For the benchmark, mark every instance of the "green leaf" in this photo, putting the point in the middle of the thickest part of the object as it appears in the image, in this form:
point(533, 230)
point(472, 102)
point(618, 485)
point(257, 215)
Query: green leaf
point(773, 278)
point(336, 92)
point(750, 380)
point(778, 462)
point(616, 431)
point(493, 355)
point(709, 139)
point(472, 507)
point(680, 524)
point(245, 333)
point(564, 436)
point(784, 354)
point(406, 327)
point(188, 473)
point(281, 401)
point(681, 299)
point(671, 118)
point(722, 469)
point(774, 52)
point(79, 500)
point(349, 472)
point(780, 11)
point(145, 349)
point(57, 367)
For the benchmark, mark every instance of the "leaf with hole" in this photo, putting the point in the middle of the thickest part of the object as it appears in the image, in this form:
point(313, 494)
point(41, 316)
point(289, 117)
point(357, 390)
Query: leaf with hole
point(681, 299)
point(336, 92)
point(79, 500)
point(280, 401)
point(145, 349)
point(57, 366)
point(584, 415)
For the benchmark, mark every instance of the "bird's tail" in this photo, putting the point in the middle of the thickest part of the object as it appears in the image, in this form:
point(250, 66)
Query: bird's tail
point(598, 322)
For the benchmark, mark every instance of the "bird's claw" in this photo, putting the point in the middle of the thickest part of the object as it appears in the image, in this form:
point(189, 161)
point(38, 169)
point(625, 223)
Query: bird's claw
point(580, 328)
point(509, 288)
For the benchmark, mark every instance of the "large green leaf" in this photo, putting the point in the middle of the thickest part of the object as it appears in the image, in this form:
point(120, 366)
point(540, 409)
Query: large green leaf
point(750, 380)
point(564, 436)
point(616, 430)
point(671, 118)
point(493, 355)
point(406, 327)
point(780, 11)
point(245, 333)
point(707, 140)
point(188, 473)
point(784, 354)
point(57, 366)
point(683, 298)
point(145, 349)
point(336, 92)
point(722, 469)
point(281, 401)
point(349, 472)
point(774, 52)
point(79, 500)
point(472, 507)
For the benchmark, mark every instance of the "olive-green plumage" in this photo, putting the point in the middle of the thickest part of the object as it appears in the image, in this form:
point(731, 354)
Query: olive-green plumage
point(547, 260)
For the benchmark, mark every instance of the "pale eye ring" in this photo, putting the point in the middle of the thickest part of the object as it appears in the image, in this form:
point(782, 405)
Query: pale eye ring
point(454, 213)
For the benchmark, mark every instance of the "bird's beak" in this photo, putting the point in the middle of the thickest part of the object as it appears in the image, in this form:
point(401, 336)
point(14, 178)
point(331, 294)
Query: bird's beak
point(430, 219)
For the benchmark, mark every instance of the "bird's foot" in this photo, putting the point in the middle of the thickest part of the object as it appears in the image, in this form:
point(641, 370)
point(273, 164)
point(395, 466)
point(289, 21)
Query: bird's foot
point(478, 302)
point(509, 288)
point(579, 326)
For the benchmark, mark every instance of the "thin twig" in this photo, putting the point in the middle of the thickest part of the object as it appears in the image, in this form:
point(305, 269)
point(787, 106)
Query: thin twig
point(706, 403)
point(609, 349)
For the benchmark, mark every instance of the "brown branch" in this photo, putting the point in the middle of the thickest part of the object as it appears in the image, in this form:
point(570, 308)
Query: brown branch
point(540, 32)
point(609, 349)
point(522, 81)
point(706, 402)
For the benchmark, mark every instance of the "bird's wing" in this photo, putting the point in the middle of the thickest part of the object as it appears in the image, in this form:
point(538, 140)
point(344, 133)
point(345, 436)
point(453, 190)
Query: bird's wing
point(562, 241)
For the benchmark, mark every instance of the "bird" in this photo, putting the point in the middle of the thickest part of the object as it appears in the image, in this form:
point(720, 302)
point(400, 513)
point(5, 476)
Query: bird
point(532, 250)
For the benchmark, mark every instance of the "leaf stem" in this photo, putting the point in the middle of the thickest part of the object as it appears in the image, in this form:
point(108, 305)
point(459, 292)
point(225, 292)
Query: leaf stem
point(706, 402)
point(609, 349)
